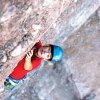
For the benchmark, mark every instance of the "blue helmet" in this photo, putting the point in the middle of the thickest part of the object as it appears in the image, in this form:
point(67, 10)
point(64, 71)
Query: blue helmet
point(57, 53)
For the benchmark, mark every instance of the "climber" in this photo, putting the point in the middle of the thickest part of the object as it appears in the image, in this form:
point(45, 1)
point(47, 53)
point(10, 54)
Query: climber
point(31, 61)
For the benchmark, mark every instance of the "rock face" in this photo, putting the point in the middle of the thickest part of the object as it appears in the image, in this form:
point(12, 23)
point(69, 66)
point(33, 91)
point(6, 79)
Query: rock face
point(22, 22)
point(76, 77)
point(83, 51)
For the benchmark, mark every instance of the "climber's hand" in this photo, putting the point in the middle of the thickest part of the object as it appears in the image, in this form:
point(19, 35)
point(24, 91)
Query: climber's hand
point(30, 54)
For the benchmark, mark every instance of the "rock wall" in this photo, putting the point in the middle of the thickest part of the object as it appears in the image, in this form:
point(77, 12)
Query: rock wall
point(76, 77)
point(22, 22)
point(83, 52)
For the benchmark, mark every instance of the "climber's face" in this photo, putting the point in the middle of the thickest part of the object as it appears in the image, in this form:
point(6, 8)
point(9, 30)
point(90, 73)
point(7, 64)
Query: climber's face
point(45, 52)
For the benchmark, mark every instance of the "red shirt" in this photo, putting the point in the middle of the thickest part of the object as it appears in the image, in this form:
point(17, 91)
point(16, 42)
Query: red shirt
point(19, 71)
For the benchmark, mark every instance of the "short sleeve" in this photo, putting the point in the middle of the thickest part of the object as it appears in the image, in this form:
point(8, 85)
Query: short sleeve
point(38, 44)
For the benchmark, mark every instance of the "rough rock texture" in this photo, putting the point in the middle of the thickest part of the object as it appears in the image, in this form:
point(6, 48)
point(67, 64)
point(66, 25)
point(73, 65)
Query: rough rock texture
point(28, 21)
point(83, 52)
point(76, 77)
point(22, 24)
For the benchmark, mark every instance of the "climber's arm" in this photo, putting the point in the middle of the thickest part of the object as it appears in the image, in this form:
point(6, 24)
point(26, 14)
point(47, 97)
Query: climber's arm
point(28, 63)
